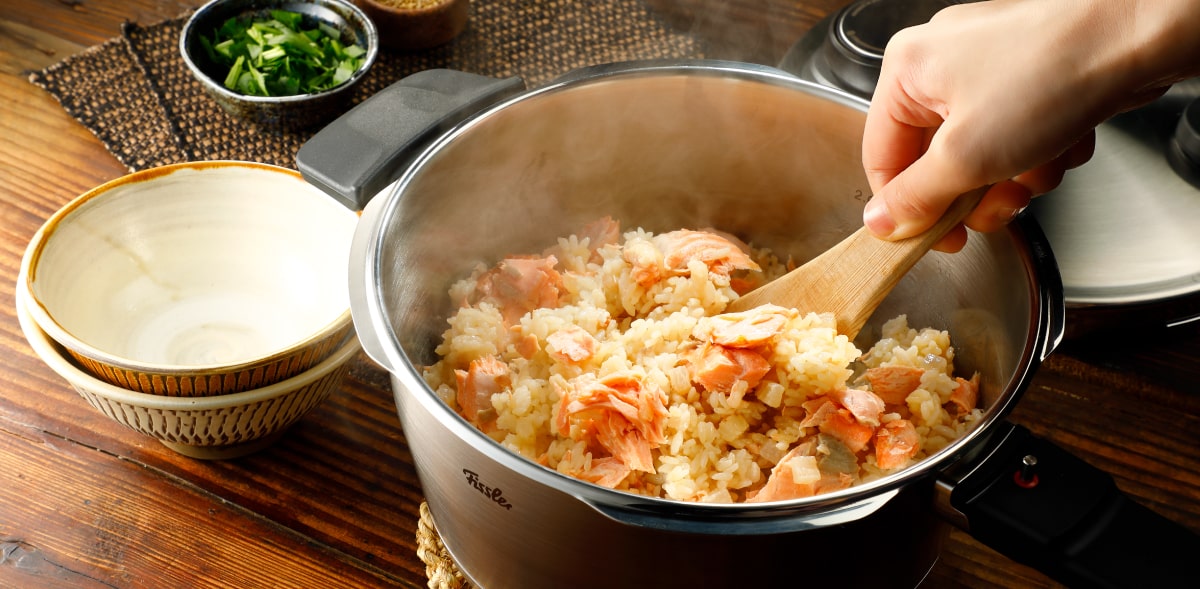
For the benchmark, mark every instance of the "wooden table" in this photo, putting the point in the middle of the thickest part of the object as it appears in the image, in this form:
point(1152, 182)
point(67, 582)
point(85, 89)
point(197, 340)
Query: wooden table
point(85, 502)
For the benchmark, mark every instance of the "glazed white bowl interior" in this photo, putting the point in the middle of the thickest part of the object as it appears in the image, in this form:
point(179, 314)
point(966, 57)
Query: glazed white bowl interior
point(193, 265)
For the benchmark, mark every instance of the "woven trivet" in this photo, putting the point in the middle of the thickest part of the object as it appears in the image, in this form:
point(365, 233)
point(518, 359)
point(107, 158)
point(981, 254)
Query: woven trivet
point(440, 567)
point(136, 95)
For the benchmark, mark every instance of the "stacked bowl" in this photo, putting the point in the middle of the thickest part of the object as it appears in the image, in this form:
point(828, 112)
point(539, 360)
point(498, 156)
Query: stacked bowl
point(202, 304)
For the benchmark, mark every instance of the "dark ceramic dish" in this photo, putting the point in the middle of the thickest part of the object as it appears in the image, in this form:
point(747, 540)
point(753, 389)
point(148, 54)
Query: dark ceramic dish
point(280, 112)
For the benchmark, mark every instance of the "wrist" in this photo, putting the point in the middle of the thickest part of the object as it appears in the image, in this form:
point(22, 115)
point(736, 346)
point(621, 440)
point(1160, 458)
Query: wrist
point(1165, 37)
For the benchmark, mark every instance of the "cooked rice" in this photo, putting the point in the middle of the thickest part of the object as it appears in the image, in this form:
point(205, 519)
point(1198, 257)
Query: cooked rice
point(716, 446)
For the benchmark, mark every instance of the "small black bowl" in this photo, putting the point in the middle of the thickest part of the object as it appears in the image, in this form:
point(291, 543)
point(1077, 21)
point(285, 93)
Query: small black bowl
point(279, 112)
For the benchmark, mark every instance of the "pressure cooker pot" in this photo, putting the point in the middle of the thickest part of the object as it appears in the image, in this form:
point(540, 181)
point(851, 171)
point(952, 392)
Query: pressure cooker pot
point(457, 170)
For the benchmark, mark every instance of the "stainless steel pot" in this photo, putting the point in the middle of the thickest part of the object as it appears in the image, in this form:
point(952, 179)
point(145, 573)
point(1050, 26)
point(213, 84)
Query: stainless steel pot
point(486, 169)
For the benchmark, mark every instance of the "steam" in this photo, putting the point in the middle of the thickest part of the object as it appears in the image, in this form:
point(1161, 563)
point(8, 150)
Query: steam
point(662, 150)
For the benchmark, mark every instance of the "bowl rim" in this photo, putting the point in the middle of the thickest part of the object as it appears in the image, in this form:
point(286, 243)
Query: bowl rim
point(189, 30)
point(49, 353)
point(53, 329)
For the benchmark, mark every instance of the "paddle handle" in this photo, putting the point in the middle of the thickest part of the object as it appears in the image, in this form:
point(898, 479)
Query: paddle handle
point(890, 261)
point(853, 277)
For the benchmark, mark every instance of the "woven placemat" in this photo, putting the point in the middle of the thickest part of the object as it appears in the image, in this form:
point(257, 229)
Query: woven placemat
point(136, 95)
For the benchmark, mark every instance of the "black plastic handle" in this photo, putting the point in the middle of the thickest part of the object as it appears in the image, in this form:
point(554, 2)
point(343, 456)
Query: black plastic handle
point(1041, 506)
point(364, 150)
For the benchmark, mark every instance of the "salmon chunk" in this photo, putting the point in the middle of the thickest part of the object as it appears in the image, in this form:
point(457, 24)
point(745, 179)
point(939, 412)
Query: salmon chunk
point(571, 345)
point(966, 395)
point(896, 442)
point(645, 262)
point(606, 472)
point(894, 383)
point(795, 476)
point(747, 329)
point(718, 368)
point(719, 254)
point(864, 405)
point(601, 232)
point(483, 378)
point(835, 421)
point(810, 468)
point(518, 285)
point(617, 413)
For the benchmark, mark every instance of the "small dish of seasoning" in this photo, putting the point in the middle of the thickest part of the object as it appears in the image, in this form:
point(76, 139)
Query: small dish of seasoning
point(413, 25)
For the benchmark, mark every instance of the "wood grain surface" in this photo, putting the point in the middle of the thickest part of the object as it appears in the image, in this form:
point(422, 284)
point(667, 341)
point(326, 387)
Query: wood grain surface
point(85, 502)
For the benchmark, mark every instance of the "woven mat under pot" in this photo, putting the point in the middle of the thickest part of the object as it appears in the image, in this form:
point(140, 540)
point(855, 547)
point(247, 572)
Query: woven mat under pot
point(136, 95)
point(440, 568)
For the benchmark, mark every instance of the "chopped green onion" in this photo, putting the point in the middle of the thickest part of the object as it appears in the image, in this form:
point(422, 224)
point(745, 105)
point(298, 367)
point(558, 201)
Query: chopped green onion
point(260, 82)
point(277, 56)
point(329, 31)
point(256, 35)
point(272, 54)
point(341, 74)
point(235, 72)
point(290, 19)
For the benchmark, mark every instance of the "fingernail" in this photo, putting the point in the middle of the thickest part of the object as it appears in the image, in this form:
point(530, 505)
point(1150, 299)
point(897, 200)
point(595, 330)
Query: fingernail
point(1006, 215)
point(878, 219)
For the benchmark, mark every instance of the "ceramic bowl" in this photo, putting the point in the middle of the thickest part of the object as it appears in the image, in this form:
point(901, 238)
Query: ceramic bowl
point(300, 111)
point(195, 279)
point(411, 25)
point(221, 427)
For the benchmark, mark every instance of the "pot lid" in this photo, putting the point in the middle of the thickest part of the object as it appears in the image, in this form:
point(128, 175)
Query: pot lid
point(1124, 228)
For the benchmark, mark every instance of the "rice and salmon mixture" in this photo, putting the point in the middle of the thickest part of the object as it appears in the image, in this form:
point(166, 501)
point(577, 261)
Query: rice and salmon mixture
point(609, 357)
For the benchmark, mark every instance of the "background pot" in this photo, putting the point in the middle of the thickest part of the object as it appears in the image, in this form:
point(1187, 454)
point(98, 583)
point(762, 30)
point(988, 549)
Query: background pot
point(748, 150)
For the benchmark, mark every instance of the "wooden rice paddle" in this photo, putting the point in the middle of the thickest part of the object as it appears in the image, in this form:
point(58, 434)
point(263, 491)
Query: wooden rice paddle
point(853, 277)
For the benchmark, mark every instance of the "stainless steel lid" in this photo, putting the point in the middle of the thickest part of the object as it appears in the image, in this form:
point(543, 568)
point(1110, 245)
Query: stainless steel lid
point(1125, 227)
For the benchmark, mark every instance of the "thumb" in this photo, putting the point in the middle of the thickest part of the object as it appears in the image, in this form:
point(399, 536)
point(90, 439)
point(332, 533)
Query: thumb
point(914, 199)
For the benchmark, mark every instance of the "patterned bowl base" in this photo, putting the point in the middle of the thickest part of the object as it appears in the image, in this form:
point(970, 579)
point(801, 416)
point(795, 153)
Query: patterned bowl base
point(225, 452)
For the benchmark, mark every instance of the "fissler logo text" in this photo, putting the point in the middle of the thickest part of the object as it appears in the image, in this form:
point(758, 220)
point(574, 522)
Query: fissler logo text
point(492, 493)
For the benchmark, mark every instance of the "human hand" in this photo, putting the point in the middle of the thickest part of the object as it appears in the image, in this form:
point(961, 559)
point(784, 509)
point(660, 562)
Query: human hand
point(1008, 93)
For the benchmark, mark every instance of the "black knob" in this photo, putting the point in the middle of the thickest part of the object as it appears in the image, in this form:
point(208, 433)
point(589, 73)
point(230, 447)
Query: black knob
point(858, 34)
point(1183, 150)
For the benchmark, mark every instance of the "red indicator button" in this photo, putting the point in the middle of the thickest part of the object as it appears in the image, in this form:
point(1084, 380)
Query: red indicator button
point(1026, 477)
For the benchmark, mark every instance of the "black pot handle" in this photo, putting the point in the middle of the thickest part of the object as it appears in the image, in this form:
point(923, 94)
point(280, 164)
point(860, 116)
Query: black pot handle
point(1037, 504)
point(364, 150)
